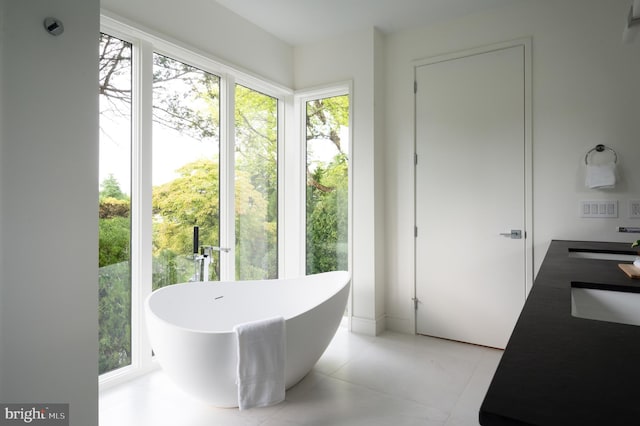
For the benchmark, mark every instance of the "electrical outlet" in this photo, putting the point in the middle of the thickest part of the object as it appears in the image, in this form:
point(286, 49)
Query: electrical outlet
point(599, 208)
point(634, 209)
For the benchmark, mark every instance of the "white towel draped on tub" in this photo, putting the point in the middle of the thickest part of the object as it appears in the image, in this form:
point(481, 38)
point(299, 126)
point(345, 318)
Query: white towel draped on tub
point(261, 353)
point(601, 176)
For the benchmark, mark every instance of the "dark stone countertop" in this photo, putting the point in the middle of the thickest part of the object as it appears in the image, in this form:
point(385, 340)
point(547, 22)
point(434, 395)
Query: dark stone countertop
point(561, 370)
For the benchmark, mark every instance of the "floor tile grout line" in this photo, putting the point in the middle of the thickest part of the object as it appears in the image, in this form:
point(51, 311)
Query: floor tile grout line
point(385, 394)
point(469, 383)
point(393, 396)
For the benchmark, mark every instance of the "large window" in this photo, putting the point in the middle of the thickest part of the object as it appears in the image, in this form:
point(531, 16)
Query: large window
point(327, 168)
point(256, 184)
point(115, 204)
point(186, 169)
point(182, 145)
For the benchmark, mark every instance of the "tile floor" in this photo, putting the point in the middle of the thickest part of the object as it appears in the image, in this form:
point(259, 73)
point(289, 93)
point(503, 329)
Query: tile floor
point(393, 379)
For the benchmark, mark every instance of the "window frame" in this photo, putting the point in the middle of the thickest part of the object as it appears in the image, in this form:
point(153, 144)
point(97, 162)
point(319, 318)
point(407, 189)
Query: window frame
point(123, 370)
point(301, 98)
point(144, 45)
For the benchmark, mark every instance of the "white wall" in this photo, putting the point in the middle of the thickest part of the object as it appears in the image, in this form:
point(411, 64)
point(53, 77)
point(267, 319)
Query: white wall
point(206, 26)
point(48, 216)
point(586, 91)
point(354, 58)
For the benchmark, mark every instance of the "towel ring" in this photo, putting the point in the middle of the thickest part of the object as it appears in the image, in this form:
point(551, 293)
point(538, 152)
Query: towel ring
point(600, 148)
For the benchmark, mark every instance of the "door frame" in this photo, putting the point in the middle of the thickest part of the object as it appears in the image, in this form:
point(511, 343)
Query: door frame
point(528, 151)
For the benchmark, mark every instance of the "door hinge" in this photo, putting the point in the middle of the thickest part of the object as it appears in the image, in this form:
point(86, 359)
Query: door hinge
point(415, 87)
point(415, 231)
point(415, 159)
point(415, 303)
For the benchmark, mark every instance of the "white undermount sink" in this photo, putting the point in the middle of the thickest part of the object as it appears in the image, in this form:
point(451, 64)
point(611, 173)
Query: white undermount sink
point(606, 305)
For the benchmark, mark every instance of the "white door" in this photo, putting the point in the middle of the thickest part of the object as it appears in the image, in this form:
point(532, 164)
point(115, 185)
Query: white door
point(470, 190)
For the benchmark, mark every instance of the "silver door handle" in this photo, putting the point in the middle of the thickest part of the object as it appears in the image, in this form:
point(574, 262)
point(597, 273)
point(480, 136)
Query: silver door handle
point(515, 234)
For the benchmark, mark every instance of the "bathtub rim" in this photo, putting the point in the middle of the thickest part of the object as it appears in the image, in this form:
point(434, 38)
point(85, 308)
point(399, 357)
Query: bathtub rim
point(149, 311)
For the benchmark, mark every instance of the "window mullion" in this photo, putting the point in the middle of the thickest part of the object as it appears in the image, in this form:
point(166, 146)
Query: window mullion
point(285, 109)
point(227, 178)
point(141, 201)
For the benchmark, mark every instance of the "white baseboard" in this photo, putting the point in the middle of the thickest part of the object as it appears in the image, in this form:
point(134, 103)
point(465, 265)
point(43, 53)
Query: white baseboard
point(368, 326)
point(400, 325)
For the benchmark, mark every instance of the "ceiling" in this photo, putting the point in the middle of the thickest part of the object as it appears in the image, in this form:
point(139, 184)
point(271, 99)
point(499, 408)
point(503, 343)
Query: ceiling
point(300, 22)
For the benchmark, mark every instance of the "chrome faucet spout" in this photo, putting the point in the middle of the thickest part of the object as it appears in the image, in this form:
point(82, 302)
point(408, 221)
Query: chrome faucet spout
point(215, 248)
point(203, 260)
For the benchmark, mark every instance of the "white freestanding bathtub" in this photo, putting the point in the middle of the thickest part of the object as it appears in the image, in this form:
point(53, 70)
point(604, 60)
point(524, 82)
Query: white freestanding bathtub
point(191, 327)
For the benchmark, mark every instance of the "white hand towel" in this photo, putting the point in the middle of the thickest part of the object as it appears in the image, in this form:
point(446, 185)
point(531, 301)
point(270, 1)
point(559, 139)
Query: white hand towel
point(601, 176)
point(261, 360)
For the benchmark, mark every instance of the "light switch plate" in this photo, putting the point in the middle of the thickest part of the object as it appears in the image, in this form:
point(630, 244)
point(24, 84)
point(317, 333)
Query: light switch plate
point(634, 209)
point(599, 208)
